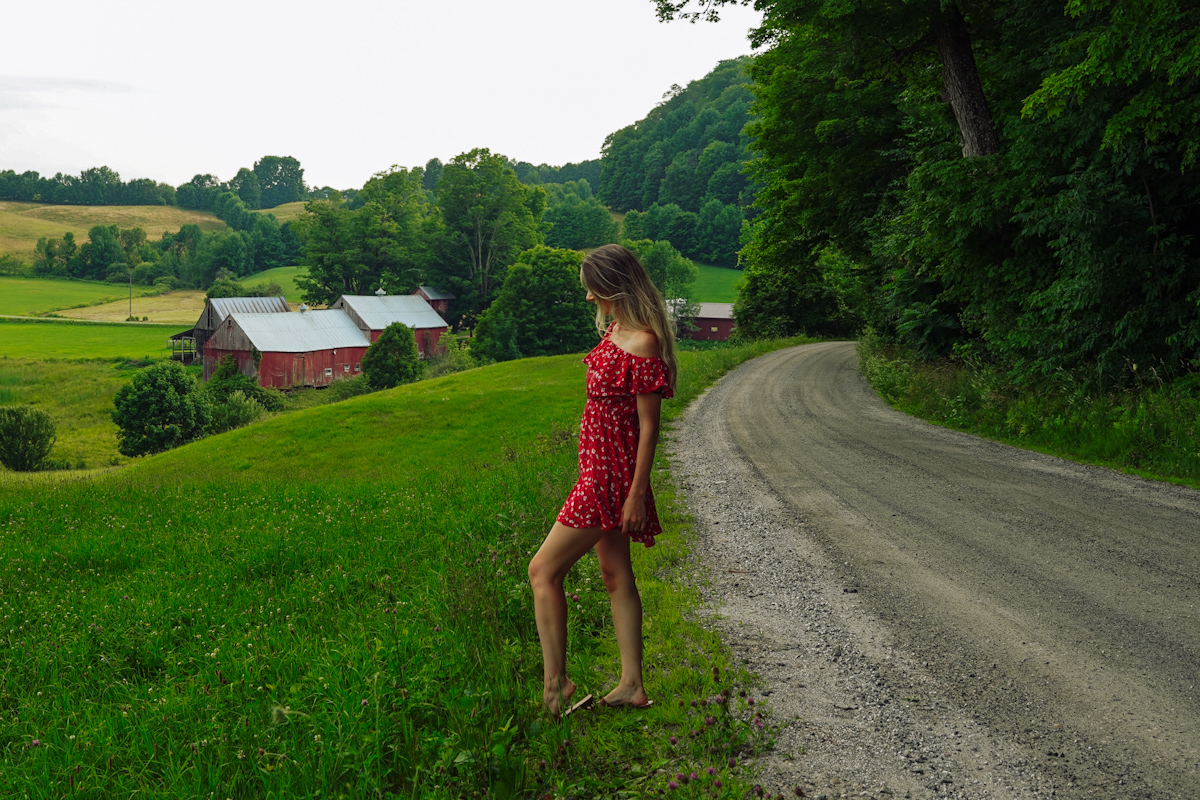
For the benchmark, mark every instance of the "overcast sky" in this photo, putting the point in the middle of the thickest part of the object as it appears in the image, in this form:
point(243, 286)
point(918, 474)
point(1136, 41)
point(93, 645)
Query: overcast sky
point(166, 90)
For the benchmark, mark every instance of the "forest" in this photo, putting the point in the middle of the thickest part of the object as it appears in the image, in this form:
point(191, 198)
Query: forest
point(1012, 182)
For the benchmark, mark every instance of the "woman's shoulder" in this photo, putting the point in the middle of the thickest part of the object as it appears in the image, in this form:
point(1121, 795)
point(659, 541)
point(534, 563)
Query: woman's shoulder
point(643, 344)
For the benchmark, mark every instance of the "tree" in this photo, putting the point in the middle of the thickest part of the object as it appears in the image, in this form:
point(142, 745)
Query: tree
point(160, 408)
point(392, 359)
point(281, 179)
point(541, 309)
point(490, 218)
point(27, 436)
point(248, 189)
point(673, 274)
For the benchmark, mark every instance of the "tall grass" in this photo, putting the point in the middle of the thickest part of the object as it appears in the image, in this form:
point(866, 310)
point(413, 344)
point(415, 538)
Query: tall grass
point(1152, 429)
point(334, 602)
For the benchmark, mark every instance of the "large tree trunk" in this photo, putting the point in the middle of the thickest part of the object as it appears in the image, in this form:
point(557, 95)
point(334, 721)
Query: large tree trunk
point(963, 89)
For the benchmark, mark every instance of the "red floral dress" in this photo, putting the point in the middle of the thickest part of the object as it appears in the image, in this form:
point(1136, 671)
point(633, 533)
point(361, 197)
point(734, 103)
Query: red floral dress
point(608, 439)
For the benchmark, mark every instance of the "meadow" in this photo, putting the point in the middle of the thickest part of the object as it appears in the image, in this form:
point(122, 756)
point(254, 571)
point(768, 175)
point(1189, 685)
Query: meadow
point(287, 212)
point(717, 284)
point(335, 599)
point(22, 224)
point(284, 276)
point(35, 296)
point(179, 308)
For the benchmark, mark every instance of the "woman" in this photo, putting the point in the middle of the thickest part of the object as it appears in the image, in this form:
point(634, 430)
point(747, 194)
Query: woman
point(629, 374)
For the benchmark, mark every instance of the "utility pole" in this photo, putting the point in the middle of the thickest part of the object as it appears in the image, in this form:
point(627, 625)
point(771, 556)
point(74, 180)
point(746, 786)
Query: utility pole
point(130, 294)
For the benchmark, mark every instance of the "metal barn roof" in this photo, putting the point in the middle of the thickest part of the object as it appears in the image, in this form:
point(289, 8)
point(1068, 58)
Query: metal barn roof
point(224, 306)
point(715, 311)
point(435, 294)
point(300, 332)
point(379, 312)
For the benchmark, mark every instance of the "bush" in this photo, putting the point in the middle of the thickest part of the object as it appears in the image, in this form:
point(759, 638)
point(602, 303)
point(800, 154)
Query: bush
point(26, 437)
point(160, 408)
point(234, 411)
point(227, 379)
point(392, 359)
point(349, 387)
point(457, 358)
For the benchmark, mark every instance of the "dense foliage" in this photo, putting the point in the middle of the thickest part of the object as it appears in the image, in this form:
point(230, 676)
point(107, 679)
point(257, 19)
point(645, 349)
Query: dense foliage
point(460, 236)
point(683, 167)
point(576, 218)
point(1015, 179)
point(541, 310)
point(392, 359)
point(27, 436)
point(160, 408)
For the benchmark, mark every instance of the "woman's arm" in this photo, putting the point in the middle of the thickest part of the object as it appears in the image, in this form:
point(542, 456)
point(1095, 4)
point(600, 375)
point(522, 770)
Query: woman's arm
point(633, 513)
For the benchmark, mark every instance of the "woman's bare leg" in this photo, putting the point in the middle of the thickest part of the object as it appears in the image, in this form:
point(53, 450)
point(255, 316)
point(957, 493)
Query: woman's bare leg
point(563, 547)
point(617, 570)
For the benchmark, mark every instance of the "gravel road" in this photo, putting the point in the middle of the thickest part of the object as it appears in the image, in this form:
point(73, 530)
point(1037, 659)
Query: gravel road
point(933, 614)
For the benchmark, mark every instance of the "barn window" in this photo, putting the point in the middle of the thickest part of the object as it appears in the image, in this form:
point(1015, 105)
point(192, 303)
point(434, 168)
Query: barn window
point(329, 372)
point(713, 329)
point(358, 367)
point(345, 368)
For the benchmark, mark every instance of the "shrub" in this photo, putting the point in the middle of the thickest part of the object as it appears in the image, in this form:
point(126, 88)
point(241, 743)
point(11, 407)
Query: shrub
point(392, 359)
point(26, 437)
point(160, 408)
point(227, 379)
point(234, 411)
point(457, 358)
point(349, 387)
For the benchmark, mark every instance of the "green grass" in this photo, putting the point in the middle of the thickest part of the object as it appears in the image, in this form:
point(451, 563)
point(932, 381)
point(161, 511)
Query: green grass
point(284, 276)
point(83, 340)
point(32, 296)
point(78, 396)
point(286, 212)
point(717, 284)
point(335, 600)
point(1150, 429)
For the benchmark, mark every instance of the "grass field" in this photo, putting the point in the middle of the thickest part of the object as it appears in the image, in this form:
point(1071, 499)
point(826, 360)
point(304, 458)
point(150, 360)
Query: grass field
point(67, 340)
point(181, 307)
point(33, 296)
point(286, 212)
point(717, 284)
point(335, 599)
point(22, 224)
point(284, 276)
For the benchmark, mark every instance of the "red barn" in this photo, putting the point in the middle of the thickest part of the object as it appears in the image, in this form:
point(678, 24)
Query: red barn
point(714, 321)
point(439, 300)
point(308, 348)
point(373, 314)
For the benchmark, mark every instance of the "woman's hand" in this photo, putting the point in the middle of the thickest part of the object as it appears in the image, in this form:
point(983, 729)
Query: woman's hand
point(633, 514)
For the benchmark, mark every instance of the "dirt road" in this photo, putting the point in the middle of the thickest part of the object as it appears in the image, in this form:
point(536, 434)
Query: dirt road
point(938, 615)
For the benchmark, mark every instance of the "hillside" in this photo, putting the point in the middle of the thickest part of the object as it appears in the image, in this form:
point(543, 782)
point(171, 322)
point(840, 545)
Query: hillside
point(286, 212)
point(22, 224)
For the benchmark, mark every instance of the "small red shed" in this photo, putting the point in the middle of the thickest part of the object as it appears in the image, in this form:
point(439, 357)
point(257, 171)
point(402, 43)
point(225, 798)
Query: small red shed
point(373, 314)
point(306, 348)
point(714, 321)
point(437, 299)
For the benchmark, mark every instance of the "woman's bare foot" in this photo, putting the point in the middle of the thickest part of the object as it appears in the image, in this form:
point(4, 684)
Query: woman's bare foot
point(633, 696)
point(557, 697)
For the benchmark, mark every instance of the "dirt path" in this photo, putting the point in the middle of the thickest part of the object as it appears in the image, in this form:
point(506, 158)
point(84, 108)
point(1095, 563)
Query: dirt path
point(935, 614)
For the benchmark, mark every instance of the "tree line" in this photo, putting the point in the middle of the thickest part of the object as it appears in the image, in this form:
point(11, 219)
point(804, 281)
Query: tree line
point(1015, 183)
point(680, 171)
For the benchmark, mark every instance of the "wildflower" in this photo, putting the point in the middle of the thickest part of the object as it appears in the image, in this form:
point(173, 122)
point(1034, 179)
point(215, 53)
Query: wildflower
point(750, 700)
point(694, 777)
point(693, 702)
point(36, 743)
point(364, 702)
point(437, 628)
point(717, 783)
point(673, 740)
point(709, 721)
point(758, 790)
point(799, 792)
point(733, 763)
point(711, 770)
point(672, 785)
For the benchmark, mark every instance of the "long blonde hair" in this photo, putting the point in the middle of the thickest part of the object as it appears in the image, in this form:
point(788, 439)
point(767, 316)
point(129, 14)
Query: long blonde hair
point(613, 274)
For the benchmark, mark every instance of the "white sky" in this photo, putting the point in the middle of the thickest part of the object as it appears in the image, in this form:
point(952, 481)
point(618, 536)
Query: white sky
point(165, 90)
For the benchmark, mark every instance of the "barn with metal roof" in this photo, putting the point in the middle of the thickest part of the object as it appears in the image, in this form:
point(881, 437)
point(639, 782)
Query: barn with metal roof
point(216, 309)
point(373, 314)
point(436, 297)
point(308, 348)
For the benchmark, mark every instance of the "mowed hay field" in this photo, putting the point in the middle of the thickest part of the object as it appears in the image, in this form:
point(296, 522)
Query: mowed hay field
point(181, 307)
point(284, 276)
point(34, 296)
point(336, 599)
point(287, 212)
point(22, 224)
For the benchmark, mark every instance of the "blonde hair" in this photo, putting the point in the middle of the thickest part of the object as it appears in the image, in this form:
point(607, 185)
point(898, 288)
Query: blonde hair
point(613, 274)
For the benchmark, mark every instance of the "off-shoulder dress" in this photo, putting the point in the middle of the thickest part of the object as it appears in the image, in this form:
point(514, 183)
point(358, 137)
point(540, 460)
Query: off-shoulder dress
point(608, 439)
